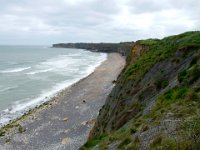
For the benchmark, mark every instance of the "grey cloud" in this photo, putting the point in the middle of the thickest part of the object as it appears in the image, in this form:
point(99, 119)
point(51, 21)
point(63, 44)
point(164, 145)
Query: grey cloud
point(50, 21)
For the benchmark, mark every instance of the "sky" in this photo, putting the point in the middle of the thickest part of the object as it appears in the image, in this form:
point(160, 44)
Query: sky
point(44, 22)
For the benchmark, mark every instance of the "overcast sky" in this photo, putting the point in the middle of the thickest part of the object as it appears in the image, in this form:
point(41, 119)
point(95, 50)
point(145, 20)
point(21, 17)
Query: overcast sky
point(44, 22)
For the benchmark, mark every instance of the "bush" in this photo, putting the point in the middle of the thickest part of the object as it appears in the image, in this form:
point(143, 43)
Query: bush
point(173, 95)
point(133, 130)
point(161, 84)
point(194, 61)
point(182, 75)
point(91, 143)
point(194, 74)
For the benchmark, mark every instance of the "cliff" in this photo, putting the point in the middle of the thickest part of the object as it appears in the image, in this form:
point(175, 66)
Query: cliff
point(122, 48)
point(155, 103)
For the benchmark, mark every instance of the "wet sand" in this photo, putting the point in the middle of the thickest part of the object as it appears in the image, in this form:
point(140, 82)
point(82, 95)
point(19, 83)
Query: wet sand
point(65, 121)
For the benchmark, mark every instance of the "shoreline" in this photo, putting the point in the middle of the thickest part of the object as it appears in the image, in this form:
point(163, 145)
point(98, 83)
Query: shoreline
point(45, 105)
point(51, 97)
point(81, 114)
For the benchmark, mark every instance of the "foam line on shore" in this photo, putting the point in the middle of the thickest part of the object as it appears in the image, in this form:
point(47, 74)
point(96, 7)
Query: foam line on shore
point(18, 109)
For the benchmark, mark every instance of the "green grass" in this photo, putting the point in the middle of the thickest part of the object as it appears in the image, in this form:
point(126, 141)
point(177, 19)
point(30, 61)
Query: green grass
point(194, 73)
point(91, 143)
point(182, 101)
point(160, 50)
point(179, 102)
point(182, 75)
point(149, 41)
point(190, 75)
point(163, 142)
point(161, 83)
point(187, 137)
point(124, 142)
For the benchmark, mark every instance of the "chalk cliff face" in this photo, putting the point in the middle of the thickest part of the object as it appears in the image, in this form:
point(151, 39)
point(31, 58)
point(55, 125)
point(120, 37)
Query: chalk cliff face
point(155, 103)
point(123, 48)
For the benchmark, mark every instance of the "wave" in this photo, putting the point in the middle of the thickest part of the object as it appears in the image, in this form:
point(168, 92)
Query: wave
point(14, 70)
point(60, 62)
point(43, 97)
point(8, 88)
point(19, 108)
point(91, 68)
point(56, 64)
point(38, 71)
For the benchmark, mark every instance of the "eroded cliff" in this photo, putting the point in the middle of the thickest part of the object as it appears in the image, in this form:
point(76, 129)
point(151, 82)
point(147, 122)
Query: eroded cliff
point(155, 103)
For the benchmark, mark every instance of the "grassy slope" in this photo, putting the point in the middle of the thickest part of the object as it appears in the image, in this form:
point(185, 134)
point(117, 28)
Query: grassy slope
point(160, 50)
point(180, 104)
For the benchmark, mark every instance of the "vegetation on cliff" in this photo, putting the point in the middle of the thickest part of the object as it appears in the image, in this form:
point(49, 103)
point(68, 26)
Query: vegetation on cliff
point(155, 103)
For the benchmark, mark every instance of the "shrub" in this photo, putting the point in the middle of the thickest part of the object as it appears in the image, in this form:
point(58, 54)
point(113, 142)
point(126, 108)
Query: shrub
point(190, 75)
point(172, 95)
point(194, 74)
point(194, 61)
point(91, 143)
point(182, 75)
point(161, 83)
point(133, 130)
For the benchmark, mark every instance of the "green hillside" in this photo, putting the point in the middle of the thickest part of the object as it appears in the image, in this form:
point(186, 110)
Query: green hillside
point(155, 103)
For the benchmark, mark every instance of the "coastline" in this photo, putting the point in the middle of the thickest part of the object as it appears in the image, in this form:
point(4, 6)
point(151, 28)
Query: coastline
point(82, 100)
point(17, 106)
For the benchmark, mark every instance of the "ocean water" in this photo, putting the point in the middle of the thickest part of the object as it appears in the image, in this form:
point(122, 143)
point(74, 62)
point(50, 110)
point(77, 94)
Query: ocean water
point(31, 75)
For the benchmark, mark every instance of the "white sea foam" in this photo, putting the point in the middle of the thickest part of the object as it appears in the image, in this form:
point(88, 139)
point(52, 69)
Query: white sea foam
point(8, 88)
point(43, 97)
point(57, 64)
point(61, 61)
point(38, 71)
point(14, 70)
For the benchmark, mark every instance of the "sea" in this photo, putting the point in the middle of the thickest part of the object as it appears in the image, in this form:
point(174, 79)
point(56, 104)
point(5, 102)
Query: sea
point(31, 75)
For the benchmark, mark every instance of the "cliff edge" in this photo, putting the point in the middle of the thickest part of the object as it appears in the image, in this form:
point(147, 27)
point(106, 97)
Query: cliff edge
point(155, 103)
point(123, 48)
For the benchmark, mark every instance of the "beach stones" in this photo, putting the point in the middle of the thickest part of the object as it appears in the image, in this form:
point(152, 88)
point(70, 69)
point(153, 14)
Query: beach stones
point(66, 131)
point(65, 119)
point(88, 122)
point(66, 140)
point(84, 123)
